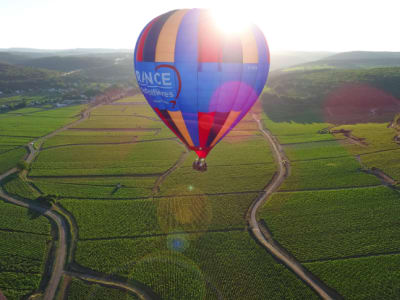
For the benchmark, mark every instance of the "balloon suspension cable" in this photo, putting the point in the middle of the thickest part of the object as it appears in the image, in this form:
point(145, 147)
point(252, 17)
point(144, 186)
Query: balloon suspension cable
point(200, 164)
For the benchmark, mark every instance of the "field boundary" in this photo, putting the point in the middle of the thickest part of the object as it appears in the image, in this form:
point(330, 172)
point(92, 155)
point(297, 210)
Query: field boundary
point(266, 240)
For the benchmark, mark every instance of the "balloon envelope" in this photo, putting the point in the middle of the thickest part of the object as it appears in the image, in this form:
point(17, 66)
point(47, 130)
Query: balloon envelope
point(200, 81)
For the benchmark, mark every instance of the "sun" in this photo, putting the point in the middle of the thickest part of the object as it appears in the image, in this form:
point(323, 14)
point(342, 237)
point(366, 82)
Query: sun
point(231, 21)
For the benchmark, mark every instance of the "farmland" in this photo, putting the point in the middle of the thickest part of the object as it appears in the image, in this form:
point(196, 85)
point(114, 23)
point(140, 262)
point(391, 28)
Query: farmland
point(183, 234)
point(375, 277)
point(23, 251)
point(331, 212)
point(229, 265)
point(105, 170)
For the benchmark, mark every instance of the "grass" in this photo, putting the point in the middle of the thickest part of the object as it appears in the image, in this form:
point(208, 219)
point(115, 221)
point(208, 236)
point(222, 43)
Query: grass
point(79, 289)
point(334, 224)
point(226, 265)
point(361, 278)
point(104, 218)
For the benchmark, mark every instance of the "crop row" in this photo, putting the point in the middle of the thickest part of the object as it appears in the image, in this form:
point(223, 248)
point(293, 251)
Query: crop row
point(107, 218)
point(140, 158)
point(227, 265)
point(37, 124)
point(327, 173)
point(112, 122)
point(108, 187)
point(374, 277)
point(332, 224)
point(315, 150)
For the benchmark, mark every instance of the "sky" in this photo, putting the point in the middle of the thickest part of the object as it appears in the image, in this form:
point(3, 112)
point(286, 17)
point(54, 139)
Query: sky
point(314, 25)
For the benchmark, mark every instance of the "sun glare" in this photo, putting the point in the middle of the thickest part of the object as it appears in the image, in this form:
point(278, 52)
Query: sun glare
point(230, 21)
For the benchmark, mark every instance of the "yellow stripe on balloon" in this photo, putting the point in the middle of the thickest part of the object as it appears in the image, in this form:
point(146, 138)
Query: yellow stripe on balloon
point(176, 117)
point(233, 115)
point(249, 47)
point(165, 48)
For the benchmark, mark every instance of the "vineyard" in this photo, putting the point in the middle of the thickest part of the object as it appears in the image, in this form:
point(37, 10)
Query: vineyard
point(227, 265)
point(343, 221)
point(23, 250)
point(144, 216)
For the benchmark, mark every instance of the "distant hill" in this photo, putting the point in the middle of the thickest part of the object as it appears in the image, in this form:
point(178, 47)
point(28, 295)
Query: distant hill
point(67, 63)
point(284, 59)
point(352, 60)
point(63, 52)
point(17, 77)
point(318, 95)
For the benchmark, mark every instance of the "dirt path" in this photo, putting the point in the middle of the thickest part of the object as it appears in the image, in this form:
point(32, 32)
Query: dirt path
point(265, 237)
point(59, 261)
point(178, 163)
point(105, 281)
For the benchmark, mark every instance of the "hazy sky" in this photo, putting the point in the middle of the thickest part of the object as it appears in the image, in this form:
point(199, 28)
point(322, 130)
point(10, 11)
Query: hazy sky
point(288, 25)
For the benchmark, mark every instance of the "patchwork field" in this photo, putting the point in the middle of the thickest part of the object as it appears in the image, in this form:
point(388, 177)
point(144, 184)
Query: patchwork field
point(143, 215)
point(331, 213)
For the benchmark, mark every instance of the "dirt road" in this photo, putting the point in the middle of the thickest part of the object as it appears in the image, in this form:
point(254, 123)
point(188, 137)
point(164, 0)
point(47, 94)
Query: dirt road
point(319, 287)
point(60, 257)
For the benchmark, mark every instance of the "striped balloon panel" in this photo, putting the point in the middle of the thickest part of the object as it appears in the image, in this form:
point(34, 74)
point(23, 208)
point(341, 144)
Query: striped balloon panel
point(200, 81)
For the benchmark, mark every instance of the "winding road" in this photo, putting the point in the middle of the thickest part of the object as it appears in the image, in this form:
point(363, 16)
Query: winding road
point(61, 252)
point(266, 239)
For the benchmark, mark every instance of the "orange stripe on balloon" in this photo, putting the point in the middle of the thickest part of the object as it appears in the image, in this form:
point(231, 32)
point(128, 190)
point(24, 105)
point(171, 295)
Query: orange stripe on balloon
point(176, 117)
point(233, 115)
point(249, 47)
point(165, 48)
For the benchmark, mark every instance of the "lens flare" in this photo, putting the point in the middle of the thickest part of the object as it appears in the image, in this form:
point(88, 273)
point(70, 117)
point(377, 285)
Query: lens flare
point(230, 22)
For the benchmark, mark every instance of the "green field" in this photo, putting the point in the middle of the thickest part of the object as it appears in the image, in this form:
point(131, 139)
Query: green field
point(335, 224)
point(103, 218)
point(327, 173)
point(97, 188)
point(39, 123)
point(129, 159)
point(23, 250)
point(375, 277)
point(209, 266)
point(10, 159)
point(15, 185)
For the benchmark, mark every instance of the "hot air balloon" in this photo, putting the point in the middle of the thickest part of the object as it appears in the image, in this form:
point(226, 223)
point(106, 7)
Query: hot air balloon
point(199, 80)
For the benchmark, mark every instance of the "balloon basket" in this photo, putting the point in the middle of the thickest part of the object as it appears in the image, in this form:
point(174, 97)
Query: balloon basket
point(200, 165)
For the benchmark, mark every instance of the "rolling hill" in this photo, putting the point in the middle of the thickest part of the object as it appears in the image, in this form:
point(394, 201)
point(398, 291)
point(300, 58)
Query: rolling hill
point(352, 60)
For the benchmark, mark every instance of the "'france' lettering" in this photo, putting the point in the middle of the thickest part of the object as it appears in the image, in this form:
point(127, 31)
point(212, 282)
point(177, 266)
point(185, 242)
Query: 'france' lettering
point(151, 78)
